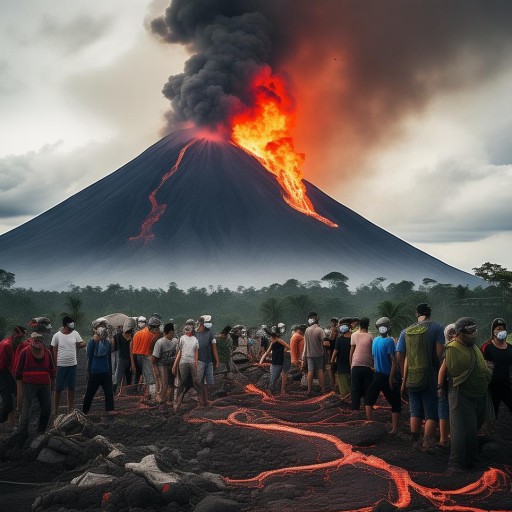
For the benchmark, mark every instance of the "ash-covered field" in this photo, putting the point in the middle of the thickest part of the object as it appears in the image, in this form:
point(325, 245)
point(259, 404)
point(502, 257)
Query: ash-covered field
point(248, 451)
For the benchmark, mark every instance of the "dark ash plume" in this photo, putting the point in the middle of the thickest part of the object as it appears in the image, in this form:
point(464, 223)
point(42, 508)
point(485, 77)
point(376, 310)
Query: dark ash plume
point(230, 47)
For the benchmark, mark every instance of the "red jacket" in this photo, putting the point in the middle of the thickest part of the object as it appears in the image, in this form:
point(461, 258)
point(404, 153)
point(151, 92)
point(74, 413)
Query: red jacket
point(31, 370)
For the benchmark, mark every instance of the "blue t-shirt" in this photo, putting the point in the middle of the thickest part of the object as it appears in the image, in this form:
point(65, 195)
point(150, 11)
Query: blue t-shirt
point(435, 334)
point(98, 354)
point(381, 350)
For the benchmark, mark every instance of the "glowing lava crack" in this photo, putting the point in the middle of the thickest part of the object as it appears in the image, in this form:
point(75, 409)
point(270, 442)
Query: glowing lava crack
point(491, 481)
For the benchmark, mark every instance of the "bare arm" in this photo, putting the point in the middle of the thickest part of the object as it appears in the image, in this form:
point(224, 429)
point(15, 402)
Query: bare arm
point(215, 354)
point(352, 350)
point(334, 355)
point(266, 353)
point(404, 374)
point(176, 362)
point(400, 357)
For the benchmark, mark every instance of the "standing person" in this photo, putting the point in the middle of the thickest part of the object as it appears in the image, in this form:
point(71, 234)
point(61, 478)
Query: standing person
point(333, 334)
point(185, 365)
point(385, 380)
point(8, 348)
point(498, 353)
point(361, 362)
point(341, 358)
point(114, 355)
point(419, 351)
point(123, 342)
point(470, 405)
point(163, 358)
point(314, 352)
point(297, 346)
point(279, 364)
point(65, 343)
point(99, 370)
point(224, 350)
point(35, 375)
point(140, 352)
point(207, 353)
point(443, 408)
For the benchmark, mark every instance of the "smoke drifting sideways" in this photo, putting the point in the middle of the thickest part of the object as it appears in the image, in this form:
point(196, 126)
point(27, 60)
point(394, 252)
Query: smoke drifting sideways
point(357, 68)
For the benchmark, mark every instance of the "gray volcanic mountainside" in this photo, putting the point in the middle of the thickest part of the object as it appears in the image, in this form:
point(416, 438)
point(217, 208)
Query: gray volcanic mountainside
point(218, 218)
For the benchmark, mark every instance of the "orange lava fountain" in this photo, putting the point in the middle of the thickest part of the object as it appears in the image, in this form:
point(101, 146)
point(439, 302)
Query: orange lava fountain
point(264, 132)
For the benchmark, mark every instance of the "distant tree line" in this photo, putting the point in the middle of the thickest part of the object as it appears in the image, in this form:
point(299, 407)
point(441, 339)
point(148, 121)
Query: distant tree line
point(289, 302)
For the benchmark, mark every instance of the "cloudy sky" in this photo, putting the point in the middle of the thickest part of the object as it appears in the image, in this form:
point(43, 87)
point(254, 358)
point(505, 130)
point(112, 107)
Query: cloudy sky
point(411, 131)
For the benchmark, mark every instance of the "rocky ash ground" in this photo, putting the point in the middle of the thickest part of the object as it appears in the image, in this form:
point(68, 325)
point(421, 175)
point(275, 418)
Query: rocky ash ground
point(247, 452)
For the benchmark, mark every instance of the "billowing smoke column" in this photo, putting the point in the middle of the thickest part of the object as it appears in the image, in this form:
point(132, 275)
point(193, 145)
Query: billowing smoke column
point(228, 84)
point(358, 68)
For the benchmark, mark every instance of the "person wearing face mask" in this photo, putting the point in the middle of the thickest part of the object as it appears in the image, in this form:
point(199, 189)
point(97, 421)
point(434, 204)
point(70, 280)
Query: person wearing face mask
point(361, 362)
point(207, 354)
point(498, 353)
point(314, 352)
point(385, 380)
point(468, 395)
point(64, 344)
point(99, 370)
point(35, 374)
point(340, 359)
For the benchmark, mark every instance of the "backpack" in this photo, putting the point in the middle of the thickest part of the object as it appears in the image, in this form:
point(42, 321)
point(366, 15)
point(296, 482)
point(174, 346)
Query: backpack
point(169, 357)
point(419, 354)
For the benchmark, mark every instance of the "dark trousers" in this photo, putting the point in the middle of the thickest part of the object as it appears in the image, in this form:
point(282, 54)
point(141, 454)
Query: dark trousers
point(501, 392)
point(380, 384)
point(41, 392)
point(7, 390)
point(123, 367)
point(361, 379)
point(94, 381)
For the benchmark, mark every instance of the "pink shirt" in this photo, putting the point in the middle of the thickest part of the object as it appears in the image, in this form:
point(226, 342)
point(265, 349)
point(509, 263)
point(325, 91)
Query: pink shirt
point(362, 355)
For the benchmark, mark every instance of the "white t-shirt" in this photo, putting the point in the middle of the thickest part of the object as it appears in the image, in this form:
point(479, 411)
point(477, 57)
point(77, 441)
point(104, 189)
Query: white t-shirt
point(66, 347)
point(188, 346)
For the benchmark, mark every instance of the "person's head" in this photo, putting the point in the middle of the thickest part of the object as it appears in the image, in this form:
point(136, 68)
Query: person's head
point(383, 325)
point(355, 322)
point(36, 341)
point(499, 329)
point(68, 323)
point(154, 324)
point(274, 332)
point(188, 330)
point(204, 322)
point(449, 333)
point(334, 321)
point(129, 327)
point(466, 330)
point(301, 329)
point(312, 318)
point(423, 310)
point(18, 333)
point(119, 329)
point(225, 331)
point(344, 325)
point(282, 328)
point(364, 323)
point(141, 322)
point(169, 329)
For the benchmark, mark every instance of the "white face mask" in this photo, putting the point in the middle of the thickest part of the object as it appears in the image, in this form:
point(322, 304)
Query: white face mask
point(383, 329)
point(208, 325)
point(71, 325)
point(141, 325)
point(344, 329)
point(502, 335)
point(161, 328)
point(311, 321)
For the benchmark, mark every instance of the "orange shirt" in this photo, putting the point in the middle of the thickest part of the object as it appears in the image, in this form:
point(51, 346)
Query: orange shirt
point(296, 347)
point(142, 342)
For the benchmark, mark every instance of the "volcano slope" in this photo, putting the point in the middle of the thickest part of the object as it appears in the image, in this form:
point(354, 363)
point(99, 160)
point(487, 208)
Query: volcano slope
point(260, 453)
point(201, 211)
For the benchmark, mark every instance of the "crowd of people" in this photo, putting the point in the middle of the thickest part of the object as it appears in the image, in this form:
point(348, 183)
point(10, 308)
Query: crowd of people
point(452, 385)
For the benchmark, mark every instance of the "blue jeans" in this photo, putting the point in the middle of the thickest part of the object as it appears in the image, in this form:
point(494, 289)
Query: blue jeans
point(275, 373)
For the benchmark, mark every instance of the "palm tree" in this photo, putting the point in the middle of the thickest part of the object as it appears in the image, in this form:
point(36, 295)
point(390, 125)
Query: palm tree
point(73, 305)
point(300, 305)
point(397, 313)
point(272, 311)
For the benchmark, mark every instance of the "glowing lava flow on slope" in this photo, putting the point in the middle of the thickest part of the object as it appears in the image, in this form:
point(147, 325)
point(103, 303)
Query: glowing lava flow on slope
point(263, 131)
point(491, 481)
point(146, 231)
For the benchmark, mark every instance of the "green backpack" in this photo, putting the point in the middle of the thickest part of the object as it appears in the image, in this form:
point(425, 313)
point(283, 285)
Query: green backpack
point(419, 357)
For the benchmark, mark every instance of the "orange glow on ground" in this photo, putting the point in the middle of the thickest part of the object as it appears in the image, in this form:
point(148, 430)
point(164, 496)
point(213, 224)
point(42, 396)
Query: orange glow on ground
point(401, 484)
point(264, 132)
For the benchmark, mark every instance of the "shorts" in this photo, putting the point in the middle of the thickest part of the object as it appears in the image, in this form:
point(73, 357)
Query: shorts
point(205, 372)
point(66, 378)
point(146, 367)
point(315, 363)
point(423, 404)
point(287, 362)
point(443, 409)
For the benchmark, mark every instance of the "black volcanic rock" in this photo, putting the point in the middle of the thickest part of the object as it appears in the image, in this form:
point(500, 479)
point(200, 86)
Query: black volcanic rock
point(225, 222)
